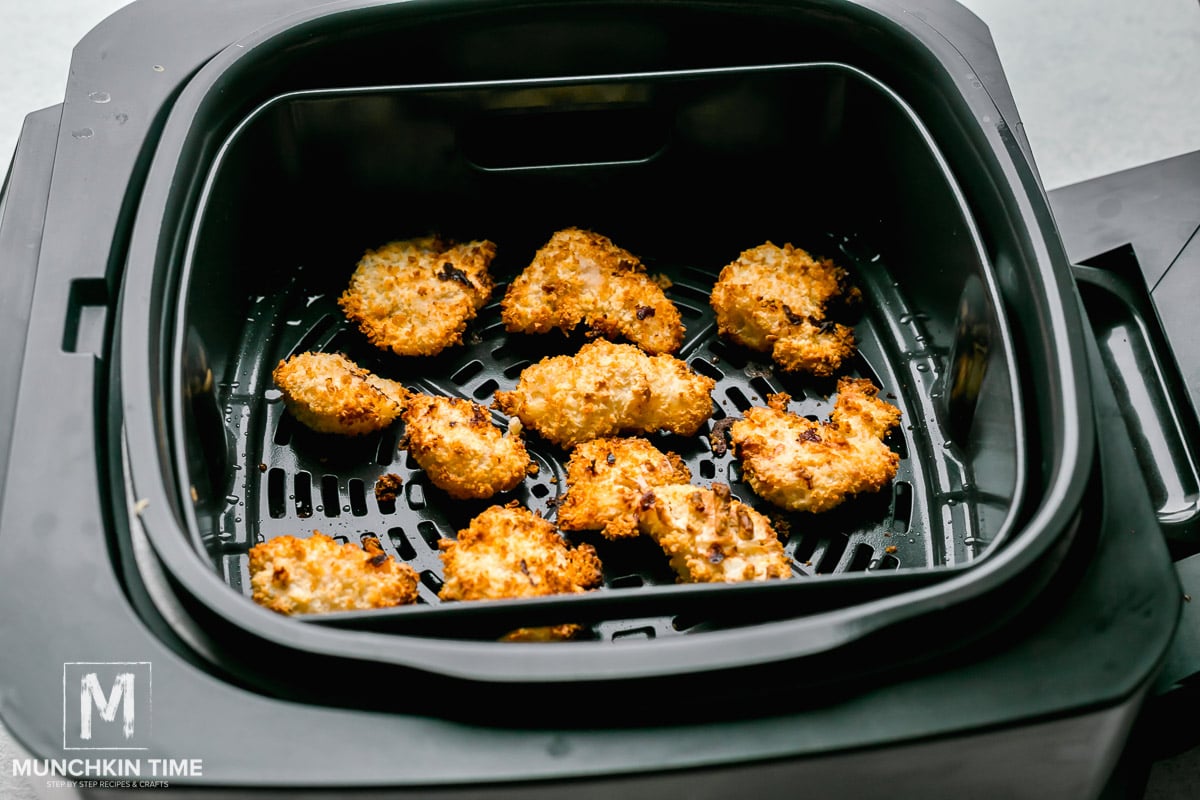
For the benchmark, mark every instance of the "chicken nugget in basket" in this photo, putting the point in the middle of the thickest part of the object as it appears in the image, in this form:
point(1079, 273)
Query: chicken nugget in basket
point(331, 394)
point(710, 537)
point(415, 297)
point(579, 276)
point(317, 575)
point(775, 299)
point(801, 465)
point(460, 449)
point(509, 552)
point(606, 479)
point(608, 389)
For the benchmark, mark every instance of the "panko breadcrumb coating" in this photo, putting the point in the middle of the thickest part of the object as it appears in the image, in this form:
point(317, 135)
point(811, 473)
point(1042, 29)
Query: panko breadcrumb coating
point(459, 448)
point(774, 299)
point(801, 465)
point(608, 389)
point(387, 487)
point(415, 297)
point(606, 479)
point(331, 394)
point(508, 552)
point(317, 575)
point(710, 537)
point(581, 276)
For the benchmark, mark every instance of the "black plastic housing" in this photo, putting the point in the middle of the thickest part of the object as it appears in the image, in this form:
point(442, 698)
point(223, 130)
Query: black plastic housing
point(1002, 679)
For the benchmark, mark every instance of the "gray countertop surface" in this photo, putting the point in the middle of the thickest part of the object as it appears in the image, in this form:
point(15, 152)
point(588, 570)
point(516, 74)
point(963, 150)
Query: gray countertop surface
point(1101, 85)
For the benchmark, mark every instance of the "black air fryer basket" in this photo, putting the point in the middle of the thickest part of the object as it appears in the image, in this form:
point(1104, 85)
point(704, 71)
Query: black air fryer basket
point(292, 137)
point(695, 162)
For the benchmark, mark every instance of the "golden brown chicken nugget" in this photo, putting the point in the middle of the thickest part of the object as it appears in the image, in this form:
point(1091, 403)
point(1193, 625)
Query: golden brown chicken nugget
point(331, 394)
point(607, 478)
point(710, 537)
point(608, 389)
point(801, 465)
point(775, 299)
point(509, 551)
point(317, 575)
point(415, 297)
point(579, 276)
point(460, 449)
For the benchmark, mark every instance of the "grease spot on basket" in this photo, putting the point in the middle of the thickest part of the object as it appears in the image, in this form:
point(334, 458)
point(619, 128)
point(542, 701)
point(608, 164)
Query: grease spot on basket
point(100, 97)
point(558, 747)
point(83, 133)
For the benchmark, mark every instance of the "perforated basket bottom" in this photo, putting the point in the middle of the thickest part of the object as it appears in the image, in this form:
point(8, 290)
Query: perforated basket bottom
point(295, 481)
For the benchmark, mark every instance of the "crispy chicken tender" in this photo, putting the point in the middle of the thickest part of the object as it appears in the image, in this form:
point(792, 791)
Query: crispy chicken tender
point(608, 389)
point(331, 394)
point(775, 299)
point(802, 465)
point(508, 552)
point(606, 479)
point(317, 575)
point(460, 449)
point(710, 537)
point(581, 276)
point(415, 297)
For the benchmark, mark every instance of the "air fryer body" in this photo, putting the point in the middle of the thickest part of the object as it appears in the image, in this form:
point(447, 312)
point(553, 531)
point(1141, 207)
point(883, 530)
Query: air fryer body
point(978, 676)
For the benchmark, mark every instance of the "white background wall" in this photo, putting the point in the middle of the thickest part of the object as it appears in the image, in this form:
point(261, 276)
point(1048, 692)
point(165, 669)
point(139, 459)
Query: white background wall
point(1101, 85)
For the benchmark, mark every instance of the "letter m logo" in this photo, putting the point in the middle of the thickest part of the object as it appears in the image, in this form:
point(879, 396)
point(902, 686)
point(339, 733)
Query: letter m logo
point(111, 705)
point(92, 695)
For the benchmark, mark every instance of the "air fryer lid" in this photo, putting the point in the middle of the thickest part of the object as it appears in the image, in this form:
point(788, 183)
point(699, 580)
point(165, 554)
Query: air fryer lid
point(157, 265)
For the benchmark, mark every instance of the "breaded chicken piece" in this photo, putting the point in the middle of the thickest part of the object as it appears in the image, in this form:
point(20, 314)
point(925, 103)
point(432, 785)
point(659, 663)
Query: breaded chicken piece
point(802, 465)
point(775, 299)
point(317, 575)
point(460, 449)
point(415, 297)
point(508, 552)
point(608, 389)
point(331, 394)
point(581, 276)
point(606, 479)
point(710, 537)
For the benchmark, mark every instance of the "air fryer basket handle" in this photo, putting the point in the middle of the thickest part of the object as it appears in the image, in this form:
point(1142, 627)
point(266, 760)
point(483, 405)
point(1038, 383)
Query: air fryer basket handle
point(1154, 403)
point(22, 220)
point(1155, 217)
point(1133, 236)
